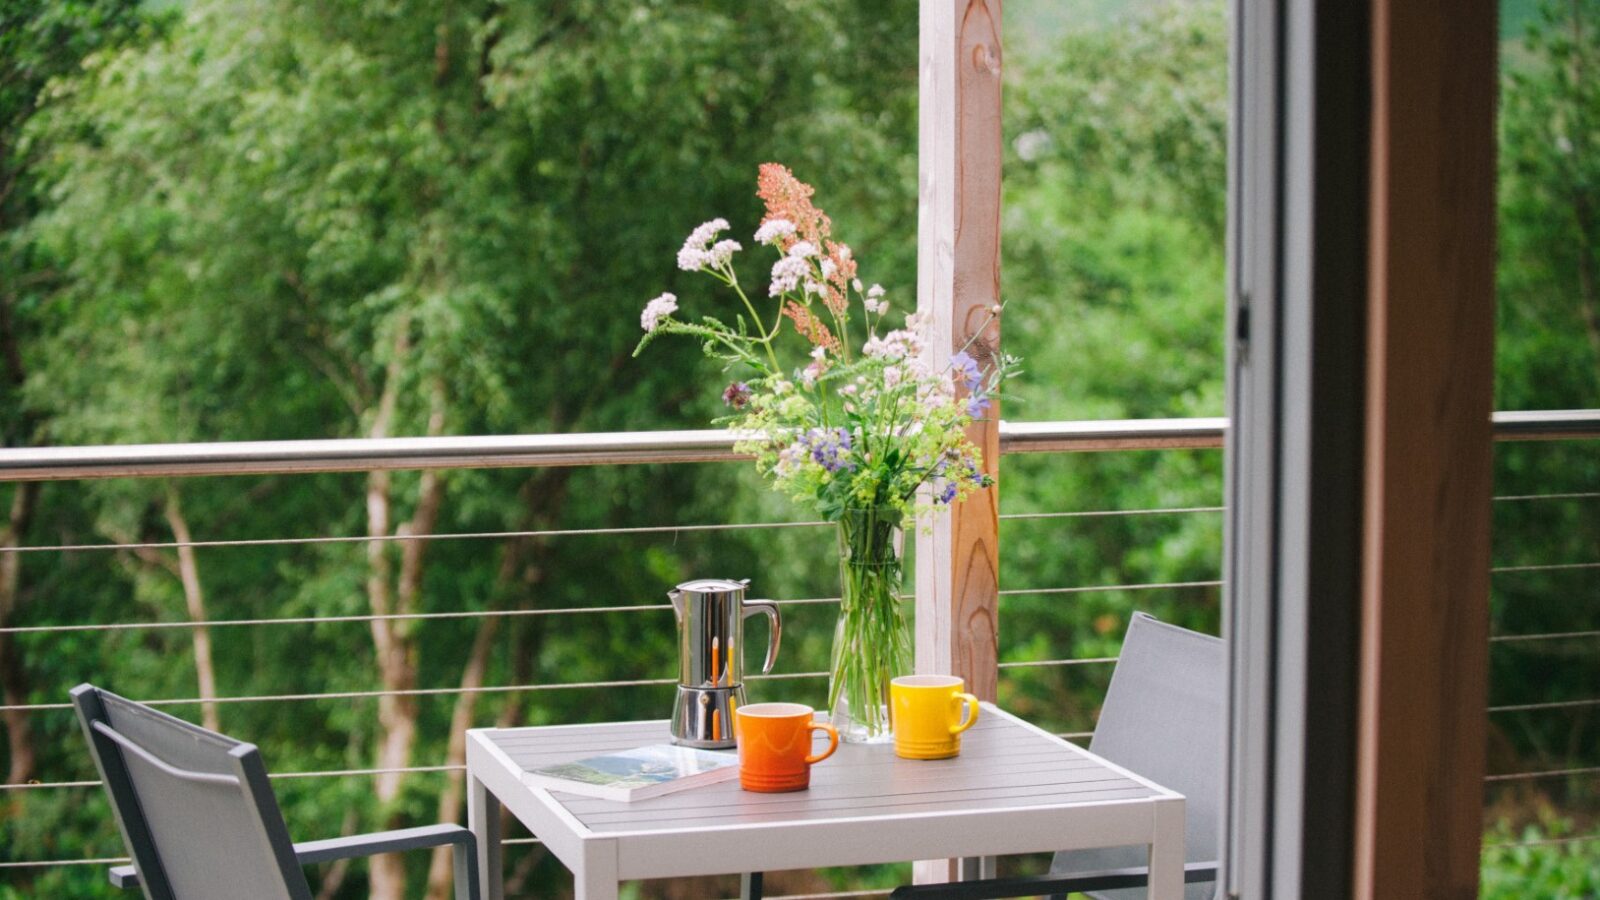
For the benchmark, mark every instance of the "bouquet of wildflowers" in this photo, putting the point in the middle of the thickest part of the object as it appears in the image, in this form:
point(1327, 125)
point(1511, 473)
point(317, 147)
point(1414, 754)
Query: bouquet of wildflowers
point(855, 422)
point(853, 426)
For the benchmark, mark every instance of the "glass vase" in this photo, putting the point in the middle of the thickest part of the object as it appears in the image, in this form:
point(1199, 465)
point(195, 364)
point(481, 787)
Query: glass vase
point(872, 641)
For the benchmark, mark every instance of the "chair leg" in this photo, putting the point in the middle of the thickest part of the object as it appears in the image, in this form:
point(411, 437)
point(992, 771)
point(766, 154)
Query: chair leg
point(750, 886)
point(466, 870)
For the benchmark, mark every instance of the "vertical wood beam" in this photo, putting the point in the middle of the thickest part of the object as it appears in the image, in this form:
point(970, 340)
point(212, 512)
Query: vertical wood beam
point(1425, 572)
point(958, 280)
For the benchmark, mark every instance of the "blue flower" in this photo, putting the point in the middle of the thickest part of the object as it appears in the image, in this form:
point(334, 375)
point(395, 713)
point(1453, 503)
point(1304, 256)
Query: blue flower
point(948, 494)
point(829, 448)
point(965, 366)
point(977, 405)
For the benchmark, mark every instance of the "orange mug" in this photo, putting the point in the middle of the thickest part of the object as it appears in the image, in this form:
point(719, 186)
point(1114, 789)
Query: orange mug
point(775, 746)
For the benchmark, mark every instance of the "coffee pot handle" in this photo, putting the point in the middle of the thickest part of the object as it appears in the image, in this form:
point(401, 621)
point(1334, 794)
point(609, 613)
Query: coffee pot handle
point(752, 607)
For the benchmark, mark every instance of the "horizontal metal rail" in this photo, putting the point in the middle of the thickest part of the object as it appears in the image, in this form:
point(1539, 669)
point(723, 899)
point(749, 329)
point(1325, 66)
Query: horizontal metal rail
point(1554, 704)
point(409, 692)
point(1546, 842)
point(1547, 636)
point(1552, 773)
point(373, 617)
point(547, 533)
point(625, 447)
point(1101, 588)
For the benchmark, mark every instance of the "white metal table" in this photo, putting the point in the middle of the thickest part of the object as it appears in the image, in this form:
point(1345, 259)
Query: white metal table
point(1013, 789)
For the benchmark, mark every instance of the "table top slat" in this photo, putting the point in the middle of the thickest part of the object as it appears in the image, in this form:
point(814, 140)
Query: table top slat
point(905, 807)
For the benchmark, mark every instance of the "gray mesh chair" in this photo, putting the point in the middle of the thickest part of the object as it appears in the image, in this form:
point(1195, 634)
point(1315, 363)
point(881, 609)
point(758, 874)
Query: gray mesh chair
point(1164, 717)
point(200, 819)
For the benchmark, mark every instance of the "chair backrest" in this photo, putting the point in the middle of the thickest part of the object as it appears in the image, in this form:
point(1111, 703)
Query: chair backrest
point(195, 808)
point(1164, 717)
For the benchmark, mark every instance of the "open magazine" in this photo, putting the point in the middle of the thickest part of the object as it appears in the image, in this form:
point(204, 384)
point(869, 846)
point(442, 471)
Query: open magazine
point(637, 774)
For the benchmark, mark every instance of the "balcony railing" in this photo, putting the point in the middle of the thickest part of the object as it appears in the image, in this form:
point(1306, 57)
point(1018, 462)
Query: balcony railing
point(260, 458)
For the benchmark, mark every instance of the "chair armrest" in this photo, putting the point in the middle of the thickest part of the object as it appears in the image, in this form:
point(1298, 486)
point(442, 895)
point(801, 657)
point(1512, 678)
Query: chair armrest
point(1035, 885)
point(311, 852)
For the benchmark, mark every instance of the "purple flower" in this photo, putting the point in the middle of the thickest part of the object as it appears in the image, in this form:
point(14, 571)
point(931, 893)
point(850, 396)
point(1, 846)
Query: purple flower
point(948, 494)
point(977, 405)
point(737, 395)
point(967, 368)
point(829, 448)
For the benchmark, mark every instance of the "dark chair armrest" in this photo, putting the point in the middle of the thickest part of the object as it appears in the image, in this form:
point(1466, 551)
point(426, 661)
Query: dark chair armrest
point(310, 852)
point(125, 877)
point(1035, 885)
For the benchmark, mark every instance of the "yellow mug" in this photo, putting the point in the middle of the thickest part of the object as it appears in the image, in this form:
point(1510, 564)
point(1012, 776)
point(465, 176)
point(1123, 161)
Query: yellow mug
point(927, 715)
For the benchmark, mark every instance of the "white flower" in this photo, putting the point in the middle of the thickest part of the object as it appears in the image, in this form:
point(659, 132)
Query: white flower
point(892, 376)
point(656, 310)
point(856, 283)
point(722, 253)
point(894, 346)
point(692, 260)
point(694, 257)
point(828, 268)
point(876, 307)
point(874, 292)
point(786, 273)
point(790, 458)
point(803, 249)
point(774, 230)
point(816, 287)
point(843, 250)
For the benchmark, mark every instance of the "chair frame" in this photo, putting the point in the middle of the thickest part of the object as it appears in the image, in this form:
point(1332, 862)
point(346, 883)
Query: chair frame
point(1052, 885)
point(107, 746)
point(1055, 885)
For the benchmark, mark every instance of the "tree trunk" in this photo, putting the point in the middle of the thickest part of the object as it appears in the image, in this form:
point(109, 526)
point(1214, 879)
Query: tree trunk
point(13, 678)
point(440, 875)
point(395, 640)
point(195, 599)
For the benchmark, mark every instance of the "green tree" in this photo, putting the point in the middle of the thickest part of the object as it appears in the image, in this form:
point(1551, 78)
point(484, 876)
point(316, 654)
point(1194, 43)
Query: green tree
point(286, 219)
point(1547, 357)
point(1113, 255)
point(39, 41)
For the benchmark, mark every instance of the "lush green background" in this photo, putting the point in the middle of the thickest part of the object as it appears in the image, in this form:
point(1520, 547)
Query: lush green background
point(256, 219)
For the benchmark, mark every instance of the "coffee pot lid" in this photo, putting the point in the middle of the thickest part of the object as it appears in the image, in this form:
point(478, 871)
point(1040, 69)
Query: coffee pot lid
point(713, 586)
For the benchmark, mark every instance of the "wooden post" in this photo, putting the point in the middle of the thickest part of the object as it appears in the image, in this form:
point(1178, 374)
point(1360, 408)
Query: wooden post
point(958, 280)
point(1425, 572)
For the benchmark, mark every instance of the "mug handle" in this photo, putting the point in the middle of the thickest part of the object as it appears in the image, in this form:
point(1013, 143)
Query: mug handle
point(972, 712)
point(833, 741)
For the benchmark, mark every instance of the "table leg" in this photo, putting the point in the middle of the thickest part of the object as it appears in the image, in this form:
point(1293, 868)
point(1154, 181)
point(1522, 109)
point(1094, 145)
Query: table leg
point(595, 883)
point(1167, 852)
point(977, 868)
point(483, 818)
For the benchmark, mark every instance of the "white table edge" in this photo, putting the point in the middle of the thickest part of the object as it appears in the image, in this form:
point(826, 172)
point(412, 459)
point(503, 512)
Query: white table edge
point(600, 857)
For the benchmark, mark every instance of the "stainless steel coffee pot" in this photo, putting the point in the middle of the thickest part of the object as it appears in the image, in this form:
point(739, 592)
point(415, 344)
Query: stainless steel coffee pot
point(711, 614)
